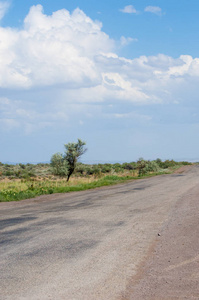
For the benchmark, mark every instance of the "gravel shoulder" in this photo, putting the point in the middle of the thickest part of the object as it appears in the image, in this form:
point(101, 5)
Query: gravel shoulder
point(171, 269)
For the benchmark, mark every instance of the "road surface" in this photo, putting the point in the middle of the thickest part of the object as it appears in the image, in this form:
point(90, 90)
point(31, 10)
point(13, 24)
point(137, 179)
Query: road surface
point(102, 244)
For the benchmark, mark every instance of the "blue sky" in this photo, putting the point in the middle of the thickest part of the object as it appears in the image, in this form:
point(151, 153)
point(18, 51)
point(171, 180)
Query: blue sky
point(121, 75)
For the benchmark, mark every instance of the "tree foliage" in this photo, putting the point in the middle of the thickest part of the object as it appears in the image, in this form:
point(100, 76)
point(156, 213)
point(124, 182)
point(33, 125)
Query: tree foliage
point(65, 164)
point(73, 151)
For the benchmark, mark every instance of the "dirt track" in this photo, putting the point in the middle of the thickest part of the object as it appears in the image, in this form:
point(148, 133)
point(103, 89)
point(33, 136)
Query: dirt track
point(137, 241)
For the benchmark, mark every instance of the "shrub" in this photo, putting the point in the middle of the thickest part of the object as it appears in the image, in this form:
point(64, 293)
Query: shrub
point(147, 166)
point(89, 171)
point(140, 166)
point(96, 170)
point(106, 168)
point(80, 168)
point(151, 166)
point(59, 165)
point(22, 166)
point(128, 166)
point(186, 163)
point(9, 173)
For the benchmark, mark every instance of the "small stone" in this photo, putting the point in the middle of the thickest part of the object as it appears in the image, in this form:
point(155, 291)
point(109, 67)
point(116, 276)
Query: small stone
point(159, 234)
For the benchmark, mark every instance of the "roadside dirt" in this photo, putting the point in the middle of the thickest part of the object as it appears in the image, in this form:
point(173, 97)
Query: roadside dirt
point(171, 269)
point(183, 169)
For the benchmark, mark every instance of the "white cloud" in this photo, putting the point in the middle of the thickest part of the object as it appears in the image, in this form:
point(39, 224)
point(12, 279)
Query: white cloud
point(68, 66)
point(126, 41)
point(71, 52)
point(50, 50)
point(4, 6)
point(17, 114)
point(133, 116)
point(129, 9)
point(8, 124)
point(154, 9)
point(121, 88)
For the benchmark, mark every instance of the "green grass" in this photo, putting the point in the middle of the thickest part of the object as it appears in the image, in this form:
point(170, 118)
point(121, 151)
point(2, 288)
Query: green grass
point(32, 189)
point(19, 189)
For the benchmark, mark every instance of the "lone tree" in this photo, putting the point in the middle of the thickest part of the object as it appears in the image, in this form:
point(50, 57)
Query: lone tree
point(64, 164)
point(72, 153)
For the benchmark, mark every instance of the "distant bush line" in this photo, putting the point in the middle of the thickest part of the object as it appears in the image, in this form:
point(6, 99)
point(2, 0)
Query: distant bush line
point(24, 181)
point(44, 170)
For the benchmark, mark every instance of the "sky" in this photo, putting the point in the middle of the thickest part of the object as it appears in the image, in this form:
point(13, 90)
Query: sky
point(123, 76)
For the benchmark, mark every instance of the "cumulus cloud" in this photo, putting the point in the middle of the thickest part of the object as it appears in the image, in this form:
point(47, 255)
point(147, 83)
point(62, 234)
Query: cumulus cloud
point(67, 65)
point(154, 9)
point(4, 6)
point(70, 51)
point(50, 50)
point(144, 80)
point(129, 9)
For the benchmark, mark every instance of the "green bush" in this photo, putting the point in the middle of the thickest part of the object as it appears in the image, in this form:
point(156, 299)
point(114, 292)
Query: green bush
point(96, 170)
point(167, 163)
point(129, 166)
point(106, 168)
point(186, 163)
point(89, 171)
point(147, 166)
point(151, 166)
point(9, 173)
point(22, 166)
point(59, 165)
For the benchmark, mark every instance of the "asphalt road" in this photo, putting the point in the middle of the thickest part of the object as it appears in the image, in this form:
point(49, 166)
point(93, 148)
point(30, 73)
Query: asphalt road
point(85, 245)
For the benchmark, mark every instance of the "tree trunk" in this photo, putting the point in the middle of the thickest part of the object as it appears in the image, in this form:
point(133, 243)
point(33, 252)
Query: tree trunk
point(70, 173)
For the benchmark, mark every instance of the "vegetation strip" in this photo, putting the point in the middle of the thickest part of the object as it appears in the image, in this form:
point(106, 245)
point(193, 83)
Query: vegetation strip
point(48, 188)
point(14, 188)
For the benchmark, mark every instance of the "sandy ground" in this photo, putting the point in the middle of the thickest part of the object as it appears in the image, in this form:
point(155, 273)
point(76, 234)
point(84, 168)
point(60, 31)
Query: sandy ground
point(138, 240)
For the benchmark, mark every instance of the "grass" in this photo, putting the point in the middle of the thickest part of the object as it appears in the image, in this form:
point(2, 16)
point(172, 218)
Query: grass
point(25, 189)
point(18, 182)
point(15, 190)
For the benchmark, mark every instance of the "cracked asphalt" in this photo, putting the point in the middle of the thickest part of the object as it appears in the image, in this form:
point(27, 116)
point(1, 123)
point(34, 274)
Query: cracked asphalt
point(91, 244)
